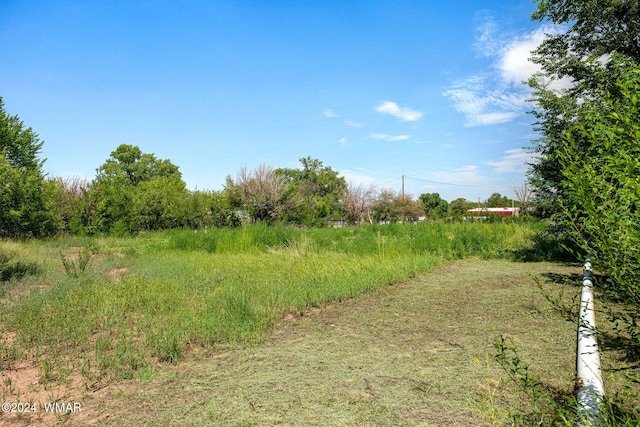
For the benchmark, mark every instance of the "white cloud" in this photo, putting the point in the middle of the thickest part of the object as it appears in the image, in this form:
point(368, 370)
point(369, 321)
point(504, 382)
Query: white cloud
point(514, 161)
point(343, 140)
point(353, 124)
point(390, 138)
point(404, 114)
point(482, 108)
point(466, 175)
point(498, 95)
point(328, 112)
point(355, 178)
point(486, 43)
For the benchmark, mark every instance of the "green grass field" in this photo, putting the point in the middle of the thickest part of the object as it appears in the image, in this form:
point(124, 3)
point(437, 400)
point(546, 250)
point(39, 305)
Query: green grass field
point(121, 304)
point(87, 314)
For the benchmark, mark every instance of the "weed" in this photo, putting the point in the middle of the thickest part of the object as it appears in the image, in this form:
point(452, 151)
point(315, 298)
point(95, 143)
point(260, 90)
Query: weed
point(76, 265)
point(545, 405)
point(8, 355)
point(47, 372)
point(14, 268)
point(167, 348)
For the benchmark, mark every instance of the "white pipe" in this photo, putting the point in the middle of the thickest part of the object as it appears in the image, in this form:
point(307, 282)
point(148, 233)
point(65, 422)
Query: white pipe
point(591, 391)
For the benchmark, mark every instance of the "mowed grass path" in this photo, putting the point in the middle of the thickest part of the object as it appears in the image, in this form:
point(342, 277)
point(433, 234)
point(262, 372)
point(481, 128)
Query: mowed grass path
point(414, 353)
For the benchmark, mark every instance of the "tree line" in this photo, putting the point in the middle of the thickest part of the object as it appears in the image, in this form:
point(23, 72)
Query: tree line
point(135, 191)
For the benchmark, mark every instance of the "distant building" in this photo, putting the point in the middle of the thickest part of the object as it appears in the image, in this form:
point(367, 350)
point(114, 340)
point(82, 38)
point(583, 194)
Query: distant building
point(494, 211)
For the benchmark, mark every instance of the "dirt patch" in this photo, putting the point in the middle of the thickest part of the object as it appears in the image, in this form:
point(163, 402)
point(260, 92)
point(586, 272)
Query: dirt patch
point(116, 274)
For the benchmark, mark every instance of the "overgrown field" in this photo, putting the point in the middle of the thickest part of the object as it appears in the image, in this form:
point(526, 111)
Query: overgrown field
point(106, 307)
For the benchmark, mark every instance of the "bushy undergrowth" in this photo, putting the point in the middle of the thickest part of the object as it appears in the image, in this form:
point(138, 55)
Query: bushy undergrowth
point(448, 240)
point(13, 267)
point(183, 289)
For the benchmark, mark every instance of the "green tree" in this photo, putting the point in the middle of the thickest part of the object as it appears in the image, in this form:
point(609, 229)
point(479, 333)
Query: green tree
point(210, 209)
point(587, 175)
point(600, 161)
point(135, 191)
point(410, 209)
point(71, 200)
point(25, 203)
point(459, 207)
point(160, 203)
point(497, 200)
point(129, 164)
point(318, 190)
point(385, 207)
point(596, 29)
point(434, 206)
point(389, 206)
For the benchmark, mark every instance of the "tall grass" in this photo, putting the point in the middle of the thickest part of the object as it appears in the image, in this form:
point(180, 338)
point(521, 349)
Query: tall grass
point(449, 240)
point(186, 289)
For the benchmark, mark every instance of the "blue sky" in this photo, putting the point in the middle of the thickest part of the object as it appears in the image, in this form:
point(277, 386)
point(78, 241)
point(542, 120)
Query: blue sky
point(374, 89)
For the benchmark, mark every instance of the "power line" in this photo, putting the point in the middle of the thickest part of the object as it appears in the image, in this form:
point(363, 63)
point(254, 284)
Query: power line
point(460, 185)
point(387, 182)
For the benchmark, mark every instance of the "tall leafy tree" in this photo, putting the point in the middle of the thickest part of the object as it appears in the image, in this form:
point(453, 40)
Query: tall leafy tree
point(497, 200)
point(600, 162)
point(385, 207)
point(129, 164)
point(136, 190)
point(459, 206)
point(318, 189)
point(393, 207)
point(434, 205)
point(587, 176)
point(25, 202)
point(595, 29)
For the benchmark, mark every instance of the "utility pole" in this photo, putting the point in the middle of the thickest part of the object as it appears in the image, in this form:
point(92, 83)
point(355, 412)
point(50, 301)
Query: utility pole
point(403, 187)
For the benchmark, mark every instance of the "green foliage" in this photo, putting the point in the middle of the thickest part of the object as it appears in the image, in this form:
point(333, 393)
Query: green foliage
point(434, 206)
point(25, 208)
point(76, 265)
point(71, 200)
point(459, 207)
point(128, 163)
point(21, 146)
point(385, 208)
point(209, 209)
point(600, 163)
point(13, 267)
point(159, 203)
point(496, 200)
point(135, 191)
point(545, 406)
point(587, 175)
point(317, 191)
point(596, 29)
point(389, 206)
